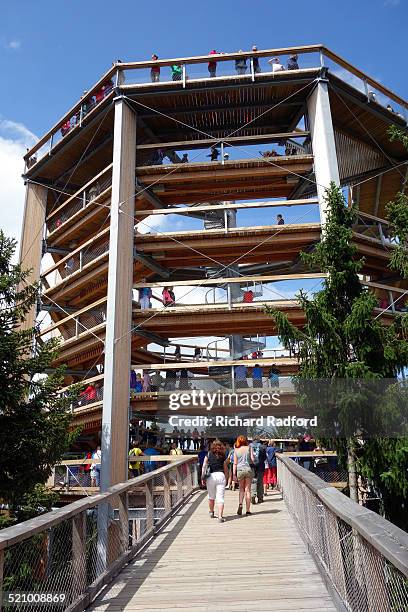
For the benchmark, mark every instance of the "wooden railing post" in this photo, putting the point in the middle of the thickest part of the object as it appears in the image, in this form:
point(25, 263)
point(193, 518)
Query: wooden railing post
point(179, 482)
point(123, 521)
point(149, 505)
point(167, 493)
point(78, 554)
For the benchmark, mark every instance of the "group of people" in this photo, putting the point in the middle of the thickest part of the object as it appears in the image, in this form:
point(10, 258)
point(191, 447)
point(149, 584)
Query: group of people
point(241, 65)
point(88, 103)
point(252, 465)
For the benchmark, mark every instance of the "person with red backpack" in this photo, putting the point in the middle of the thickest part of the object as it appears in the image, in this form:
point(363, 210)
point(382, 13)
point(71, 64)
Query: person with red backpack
point(168, 296)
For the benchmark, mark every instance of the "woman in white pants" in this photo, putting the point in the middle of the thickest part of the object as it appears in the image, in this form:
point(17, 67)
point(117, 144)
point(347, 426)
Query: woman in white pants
point(215, 473)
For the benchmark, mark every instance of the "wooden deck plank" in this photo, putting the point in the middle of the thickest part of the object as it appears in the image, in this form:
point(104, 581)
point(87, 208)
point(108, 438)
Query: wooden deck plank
point(199, 564)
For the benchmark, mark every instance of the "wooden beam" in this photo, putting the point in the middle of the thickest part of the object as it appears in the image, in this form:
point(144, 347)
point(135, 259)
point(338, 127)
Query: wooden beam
point(119, 306)
point(231, 280)
point(225, 206)
point(193, 144)
point(32, 239)
point(197, 365)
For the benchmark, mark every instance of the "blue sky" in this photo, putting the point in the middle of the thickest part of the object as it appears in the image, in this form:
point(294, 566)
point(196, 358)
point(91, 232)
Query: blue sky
point(51, 51)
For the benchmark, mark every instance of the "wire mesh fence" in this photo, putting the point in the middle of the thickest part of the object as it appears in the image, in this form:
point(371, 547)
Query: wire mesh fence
point(70, 553)
point(353, 559)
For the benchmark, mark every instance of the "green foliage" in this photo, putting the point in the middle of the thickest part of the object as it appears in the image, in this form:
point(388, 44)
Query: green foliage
point(343, 340)
point(397, 214)
point(34, 419)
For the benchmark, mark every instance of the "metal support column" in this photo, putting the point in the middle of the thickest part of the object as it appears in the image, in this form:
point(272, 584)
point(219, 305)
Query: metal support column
point(323, 144)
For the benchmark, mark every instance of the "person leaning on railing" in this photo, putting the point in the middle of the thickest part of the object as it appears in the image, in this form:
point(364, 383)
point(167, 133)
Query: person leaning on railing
point(155, 70)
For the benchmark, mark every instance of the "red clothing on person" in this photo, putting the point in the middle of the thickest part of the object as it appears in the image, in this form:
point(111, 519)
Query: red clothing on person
point(270, 476)
point(89, 393)
point(248, 296)
point(212, 65)
point(99, 95)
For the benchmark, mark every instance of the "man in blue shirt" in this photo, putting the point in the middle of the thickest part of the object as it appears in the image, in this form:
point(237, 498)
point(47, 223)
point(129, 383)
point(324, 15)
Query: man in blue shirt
point(257, 376)
point(151, 465)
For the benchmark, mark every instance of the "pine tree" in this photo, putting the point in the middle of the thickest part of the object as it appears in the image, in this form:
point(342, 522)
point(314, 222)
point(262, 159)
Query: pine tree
point(342, 340)
point(34, 419)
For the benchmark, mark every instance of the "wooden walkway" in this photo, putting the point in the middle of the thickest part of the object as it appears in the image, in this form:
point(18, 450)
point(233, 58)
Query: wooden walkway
point(255, 562)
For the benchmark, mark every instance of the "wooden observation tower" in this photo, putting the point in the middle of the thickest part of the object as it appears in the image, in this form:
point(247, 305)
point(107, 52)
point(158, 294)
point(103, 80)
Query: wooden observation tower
point(176, 181)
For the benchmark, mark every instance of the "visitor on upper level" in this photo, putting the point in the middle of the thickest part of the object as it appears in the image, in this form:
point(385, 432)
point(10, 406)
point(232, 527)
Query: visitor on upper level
point(257, 373)
point(280, 220)
point(145, 294)
point(65, 127)
point(214, 154)
point(89, 395)
point(255, 61)
point(293, 62)
point(96, 467)
point(176, 72)
point(212, 66)
point(170, 382)
point(177, 353)
point(157, 381)
point(240, 375)
point(276, 64)
point(168, 297)
point(248, 296)
point(197, 354)
point(146, 382)
point(139, 383)
point(157, 158)
point(107, 87)
point(99, 95)
point(87, 104)
point(241, 64)
point(155, 70)
point(184, 159)
point(274, 377)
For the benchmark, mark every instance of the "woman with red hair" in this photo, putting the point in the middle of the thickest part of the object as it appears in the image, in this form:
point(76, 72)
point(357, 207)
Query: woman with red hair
point(243, 458)
point(216, 465)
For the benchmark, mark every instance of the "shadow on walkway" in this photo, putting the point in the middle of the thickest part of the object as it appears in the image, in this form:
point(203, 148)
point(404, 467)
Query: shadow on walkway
point(170, 533)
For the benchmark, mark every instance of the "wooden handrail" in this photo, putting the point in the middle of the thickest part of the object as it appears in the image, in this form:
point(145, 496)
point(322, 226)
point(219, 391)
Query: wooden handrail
point(231, 280)
point(224, 206)
point(78, 193)
point(386, 538)
point(23, 531)
point(363, 76)
point(219, 57)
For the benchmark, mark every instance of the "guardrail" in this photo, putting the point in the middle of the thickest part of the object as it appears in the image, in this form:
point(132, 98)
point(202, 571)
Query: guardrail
point(185, 70)
point(362, 556)
point(74, 551)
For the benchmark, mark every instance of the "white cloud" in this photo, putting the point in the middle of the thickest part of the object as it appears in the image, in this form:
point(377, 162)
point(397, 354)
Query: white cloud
point(13, 45)
point(14, 139)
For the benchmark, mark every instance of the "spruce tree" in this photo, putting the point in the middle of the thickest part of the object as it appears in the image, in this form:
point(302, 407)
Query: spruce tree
point(342, 340)
point(34, 419)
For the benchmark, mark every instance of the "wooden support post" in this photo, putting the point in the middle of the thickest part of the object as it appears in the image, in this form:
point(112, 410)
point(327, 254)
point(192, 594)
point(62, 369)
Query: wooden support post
point(123, 522)
point(32, 237)
point(167, 492)
point(149, 505)
point(78, 554)
point(119, 302)
point(323, 144)
point(179, 482)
